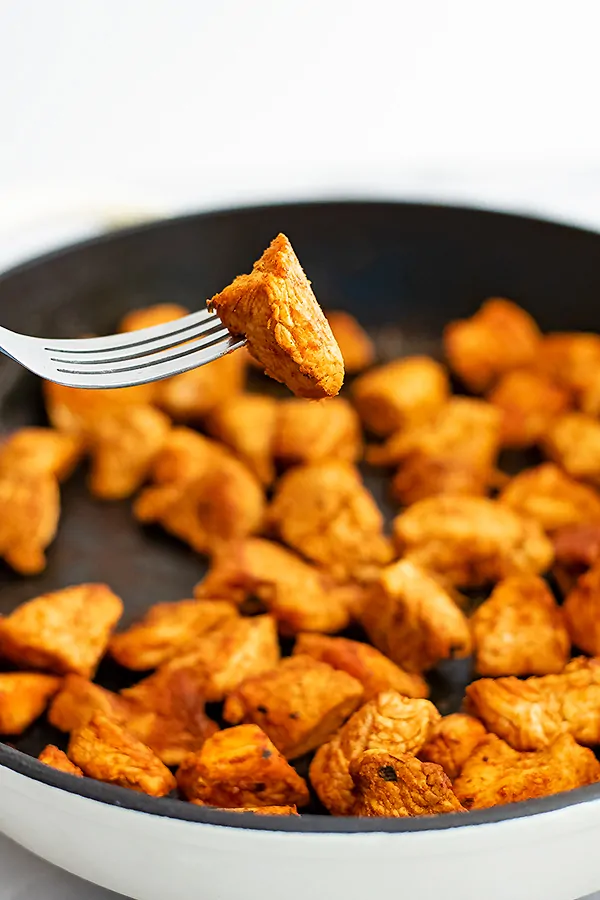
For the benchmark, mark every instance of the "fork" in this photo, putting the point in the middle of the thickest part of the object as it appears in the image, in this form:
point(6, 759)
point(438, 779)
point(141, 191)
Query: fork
point(124, 360)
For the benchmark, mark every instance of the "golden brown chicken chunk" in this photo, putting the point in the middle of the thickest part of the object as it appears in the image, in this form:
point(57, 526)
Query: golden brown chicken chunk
point(241, 767)
point(261, 810)
point(23, 698)
point(357, 347)
point(247, 424)
point(65, 631)
point(496, 774)
point(104, 750)
point(308, 431)
point(275, 309)
point(471, 541)
point(72, 409)
point(298, 596)
point(569, 358)
point(388, 722)
point(499, 337)
point(40, 451)
point(531, 714)
point(529, 401)
point(325, 512)
point(375, 671)
point(299, 704)
point(555, 500)
point(405, 392)
point(192, 395)
point(400, 786)
point(573, 441)
point(452, 742)
point(30, 506)
point(453, 453)
point(148, 316)
point(411, 618)
point(520, 630)
point(166, 631)
point(57, 759)
point(577, 547)
point(77, 701)
point(186, 456)
point(582, 612)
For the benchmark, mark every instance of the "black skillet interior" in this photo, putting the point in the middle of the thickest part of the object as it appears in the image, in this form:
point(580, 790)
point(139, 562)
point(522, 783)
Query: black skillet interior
point(402, 270)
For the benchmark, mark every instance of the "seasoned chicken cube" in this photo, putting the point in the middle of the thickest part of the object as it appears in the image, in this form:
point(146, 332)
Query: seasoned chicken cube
point(573, 441)
point(65, 631)
point(148, 316)
point(471, 541)
point(520, 630)
point(275, 309)
point(529, 401)
point(40, 451)
point(77, 701)
point(187, 455)
point(555, 500)
point(375, 671)
point(531, 714)
point(496, 774)
point(582, 612)
point(104, 750)
point(262, 810)
point(166, 630)
point(23, 698)
point(499, 337)
point(355, 344)
point(308, 431)
point(30, 506)
point(325, 512)
point(411, 618)
point(569, 358)
point(452, 742)
point(400, 786)
point(73, 409)
point(298, 595)
point(399, 394)
point(577, 547)
point(299, 704)
point(388, 722)
point(123, 446)
point(247, 424)
point(57, 759)
point(192, 395)
point(241, 767)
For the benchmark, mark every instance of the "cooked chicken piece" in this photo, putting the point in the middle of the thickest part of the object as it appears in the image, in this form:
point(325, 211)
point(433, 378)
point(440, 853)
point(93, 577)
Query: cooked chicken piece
point(582, 612)
point(221, 659)
point(65, 631)
point(187, 455)
point(261, 810)
point(576, 548)
point(573, 441)
point(357, 347)
point(496, 774)
point(546, 494)
point(241, 767)
point(308, 431)
point(453, 453)
point(104, 750)
point(192, 395)
point(30, 506)
point(452, 742)
point(166, 631)
point(246, 424)
point(23, 698)
point(498, 338)
point(531, 714)
point(72, 409)
point(124, 444)
point(148, 316)
point(520, 630)
point(471, 541)
point(388, 722)
point(276, 310)
point(43, 451)
point(400, 786)
point(529, 401)
point(569, 358)
point(77, 701)
point(325, 512)
point(299, 704)
point(411, 618)
point(399, 394)
point(298, 595)
point(375, 671)
point(56, 759)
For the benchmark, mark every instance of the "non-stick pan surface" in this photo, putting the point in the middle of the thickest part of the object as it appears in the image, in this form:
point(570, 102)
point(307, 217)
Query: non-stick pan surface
point(402, 270)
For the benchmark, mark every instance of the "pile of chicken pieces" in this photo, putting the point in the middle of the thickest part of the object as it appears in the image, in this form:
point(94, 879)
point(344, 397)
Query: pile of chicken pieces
point(270, 491)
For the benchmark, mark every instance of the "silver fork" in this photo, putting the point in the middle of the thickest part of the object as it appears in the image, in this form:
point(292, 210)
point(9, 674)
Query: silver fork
point(122, 360)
